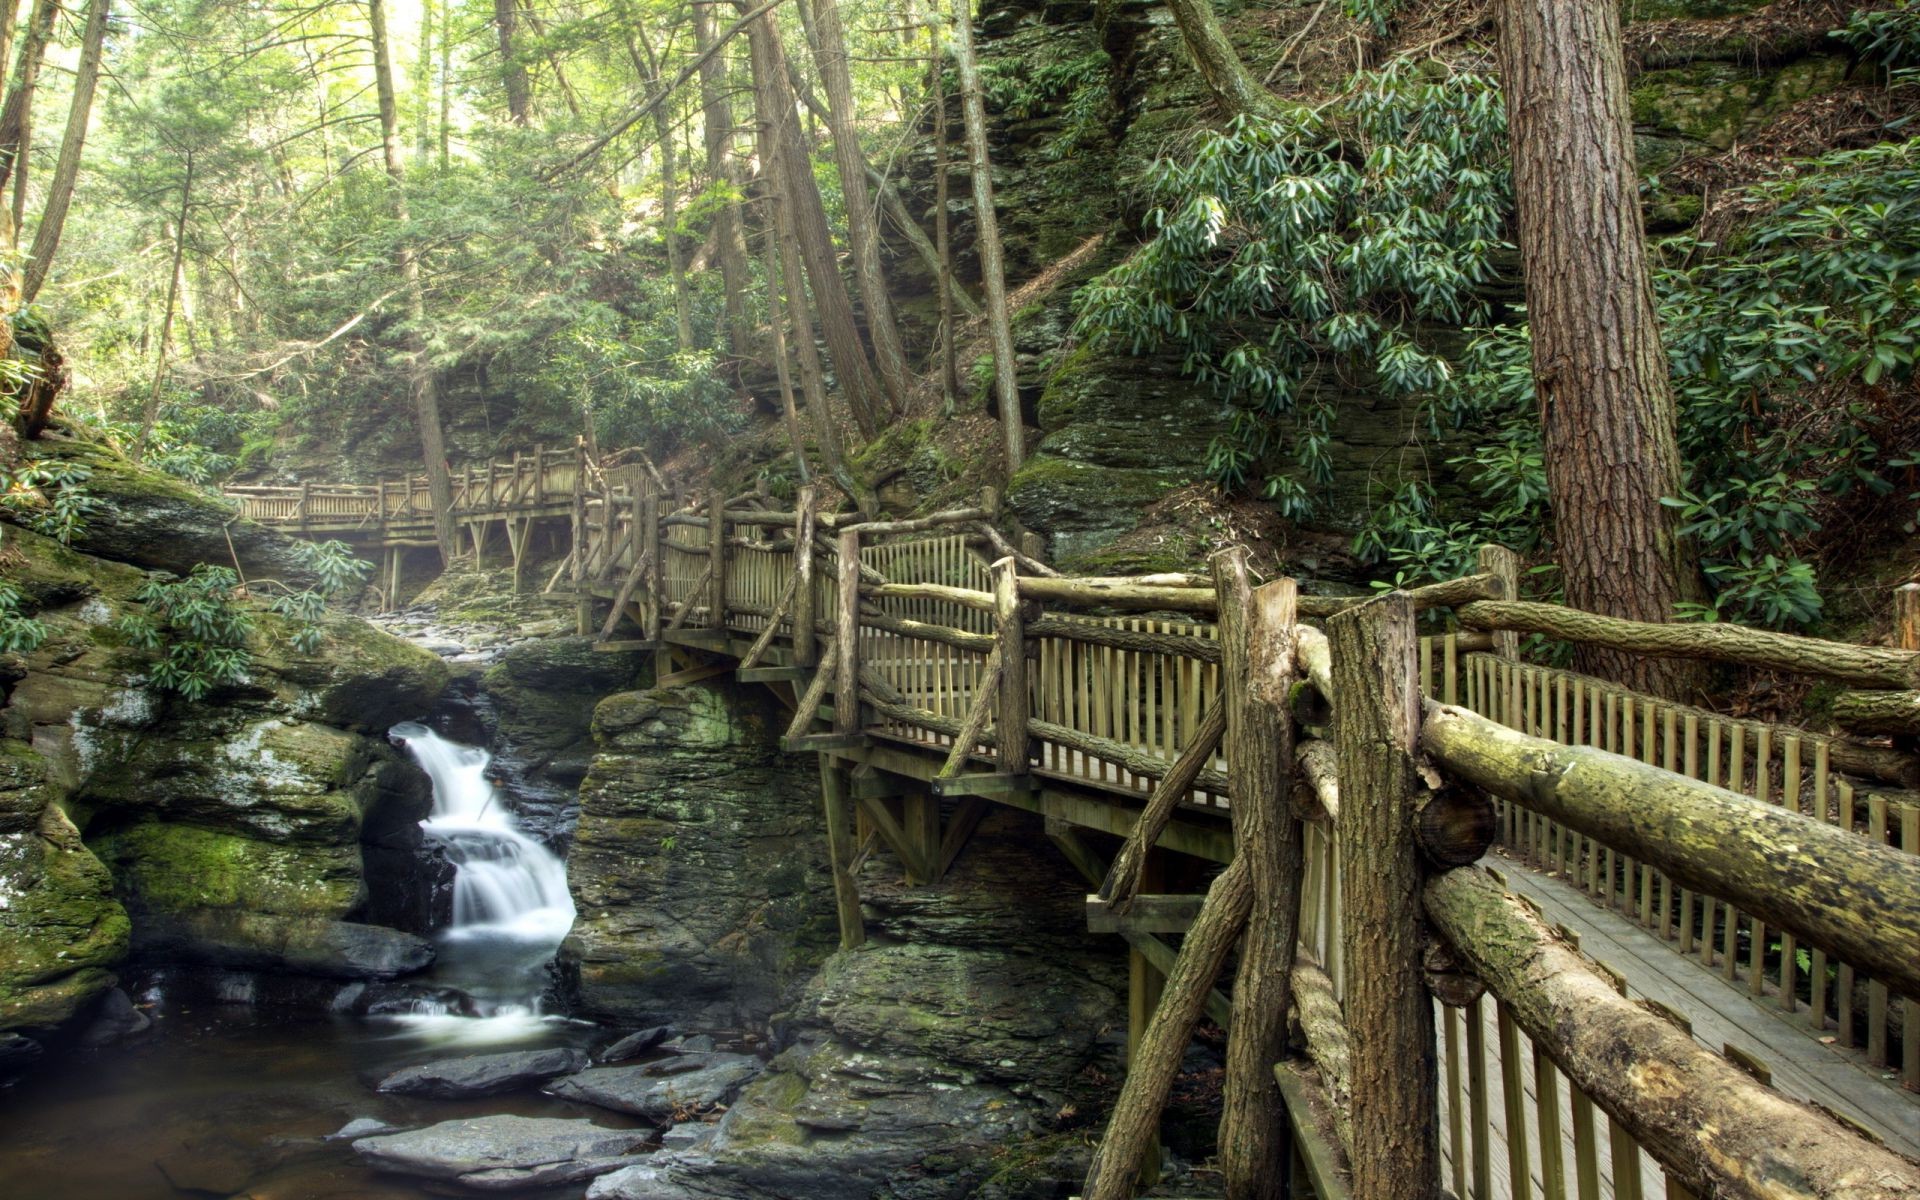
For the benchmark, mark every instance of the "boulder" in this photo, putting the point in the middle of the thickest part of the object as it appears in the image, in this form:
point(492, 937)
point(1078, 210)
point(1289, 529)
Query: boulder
point(635, 1044)
point(483, 1074)
point(662, 1092)
point(114, 1019)
point(505, 1153)
point(698, 865)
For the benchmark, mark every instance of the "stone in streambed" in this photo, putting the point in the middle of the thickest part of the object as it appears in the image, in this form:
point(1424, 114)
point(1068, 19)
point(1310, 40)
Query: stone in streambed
point(661, 1091)
point(503, 1154)
point(483, 1074)
point(116, 1018)
point(635, 1044)
point(361, 1127)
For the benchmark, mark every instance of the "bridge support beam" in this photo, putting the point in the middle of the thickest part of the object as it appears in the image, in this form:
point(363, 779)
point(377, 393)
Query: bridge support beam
point(836, 796)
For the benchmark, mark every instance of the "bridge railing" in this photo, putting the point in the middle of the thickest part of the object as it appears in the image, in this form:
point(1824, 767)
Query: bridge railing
point(545, 478)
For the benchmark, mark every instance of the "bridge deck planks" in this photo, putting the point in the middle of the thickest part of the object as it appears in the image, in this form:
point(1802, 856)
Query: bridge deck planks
point(1725, 1013)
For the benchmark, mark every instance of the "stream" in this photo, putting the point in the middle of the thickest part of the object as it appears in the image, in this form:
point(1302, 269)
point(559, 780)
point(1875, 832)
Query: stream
point(225, 1097)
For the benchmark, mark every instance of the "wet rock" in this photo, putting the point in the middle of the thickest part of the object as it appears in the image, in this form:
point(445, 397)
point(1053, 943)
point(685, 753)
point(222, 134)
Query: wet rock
point(214, 1165)
point(483, 1074)
point(698, 1043)
point(503, 1154)
point(116, 1018)
point(361, 1127)
point(698, 863)
point(663, 1091)
point(246, 941)
point(17, 1052)
point(635, 1044)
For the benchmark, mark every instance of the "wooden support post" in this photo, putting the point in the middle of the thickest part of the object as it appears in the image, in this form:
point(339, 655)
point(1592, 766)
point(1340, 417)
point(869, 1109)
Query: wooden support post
point(655, 553)
point(1256, 662)
point(1504, 565)
point(920, 819)
point(396, 568)
point(301, 506)
point(1123, 882)
point(836, 795)
point(1136, 1114)
point(1010, 718)
point(803, 637)
point(1145, 984)
point(717, 558)
point(539, 474)
point(1376, 723)
point(583, 603)
point(846, 639)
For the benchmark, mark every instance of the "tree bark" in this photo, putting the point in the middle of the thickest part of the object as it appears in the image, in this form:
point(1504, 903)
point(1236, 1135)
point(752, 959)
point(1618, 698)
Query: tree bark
point(807, 218)
point(1256, 667)
point(716, 120)
point(16, 121)
point(66, 171)
point(513, 72)
point(987, 226)
point(1376, 719)
point(663, 123)
point(863, 234)
point(1606, 407)
point(1717, 1130)
point(421, 381)
point(1232, 85)
point(942, 240)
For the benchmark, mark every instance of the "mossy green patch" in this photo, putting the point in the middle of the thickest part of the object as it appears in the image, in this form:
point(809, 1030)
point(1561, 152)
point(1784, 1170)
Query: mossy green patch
point(162, 867)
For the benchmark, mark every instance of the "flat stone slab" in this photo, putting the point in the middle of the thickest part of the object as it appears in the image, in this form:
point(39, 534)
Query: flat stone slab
point(663, 1092)
point(504, 1154)
point(635, 1044)
point(483, 1074)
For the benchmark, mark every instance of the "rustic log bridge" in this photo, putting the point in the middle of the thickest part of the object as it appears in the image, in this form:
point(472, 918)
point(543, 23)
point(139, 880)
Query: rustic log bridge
point(1717, 1130)
point(1081, 630)
point(964, 597)
point(765, 639)
point(968, 736)
point(700, 585)
point(1192, 593)
point(627, 587)
point(1323, 1035)
point(1867, 666)
point(957, 516)
point(1852, 898)
point(1878, 712)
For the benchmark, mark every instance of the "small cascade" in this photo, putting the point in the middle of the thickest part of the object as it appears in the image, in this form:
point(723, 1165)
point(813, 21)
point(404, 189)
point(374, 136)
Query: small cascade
point(511, 906)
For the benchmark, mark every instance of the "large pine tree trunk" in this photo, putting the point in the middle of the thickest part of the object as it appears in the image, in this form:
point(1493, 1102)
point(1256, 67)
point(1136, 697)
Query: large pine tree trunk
point(421, 383)
point(808, 220)
point(1606, 408)
point(66, 172)
point(992, 270)
point(513, 72)
point(717, 126)
point(863, 229)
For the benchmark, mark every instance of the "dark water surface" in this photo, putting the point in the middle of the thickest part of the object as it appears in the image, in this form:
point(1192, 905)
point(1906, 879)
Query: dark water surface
point(226, 1100)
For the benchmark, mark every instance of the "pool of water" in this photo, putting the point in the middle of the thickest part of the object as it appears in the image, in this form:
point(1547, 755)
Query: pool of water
point(227, 1100)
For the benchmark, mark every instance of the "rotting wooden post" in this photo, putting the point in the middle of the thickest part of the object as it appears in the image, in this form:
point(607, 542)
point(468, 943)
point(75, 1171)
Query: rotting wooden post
point(1256, 663)
point(582, 603)
point(717, 558)
point(1503, 564)
point(803, 643)
point(1011, 715)
point(836, 795)
point(1376, 724)
point(846, 640)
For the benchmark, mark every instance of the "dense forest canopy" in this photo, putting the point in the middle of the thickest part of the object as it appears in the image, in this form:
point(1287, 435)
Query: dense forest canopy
point(339, 239)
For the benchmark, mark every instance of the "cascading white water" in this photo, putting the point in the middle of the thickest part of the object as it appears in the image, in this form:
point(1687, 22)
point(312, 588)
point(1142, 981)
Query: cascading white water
point(511, 906)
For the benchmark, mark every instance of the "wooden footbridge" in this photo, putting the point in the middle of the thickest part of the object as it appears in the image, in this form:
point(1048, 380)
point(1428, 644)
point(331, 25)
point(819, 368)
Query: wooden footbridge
point(1493, 929)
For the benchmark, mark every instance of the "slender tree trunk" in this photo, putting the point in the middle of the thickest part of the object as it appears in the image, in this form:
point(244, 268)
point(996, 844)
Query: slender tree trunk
point(421, 382)
point(513, 72)
point(863, 229)
point(716, 120)
point(1606, 407)
point(66, 172)
point(992, 272)
point(423, 90)
point(446, 83)
point(1233, 86)
point(942, 238)
point(554, 64)
point(641, 50)
point(807, 218)
point(8, 16)
point(776, 321)
point(152, 413)
point(16, 120)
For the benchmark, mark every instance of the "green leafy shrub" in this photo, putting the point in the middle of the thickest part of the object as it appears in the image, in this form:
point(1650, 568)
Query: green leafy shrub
point(48, 497)
point(19, 633)
point(196, 627)
point(1329, 238)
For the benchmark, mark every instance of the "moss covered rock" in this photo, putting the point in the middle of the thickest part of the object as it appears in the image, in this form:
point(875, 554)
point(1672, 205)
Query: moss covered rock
point(61, 930)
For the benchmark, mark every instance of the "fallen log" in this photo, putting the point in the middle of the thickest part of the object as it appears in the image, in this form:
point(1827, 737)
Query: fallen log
point(1841, 892)
point(1878, 712)
point(1867, 666)
point(1718, 1131)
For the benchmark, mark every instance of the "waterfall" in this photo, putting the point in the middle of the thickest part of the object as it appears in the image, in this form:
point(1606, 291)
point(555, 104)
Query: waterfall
point(511, 906)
